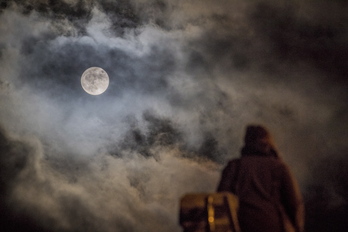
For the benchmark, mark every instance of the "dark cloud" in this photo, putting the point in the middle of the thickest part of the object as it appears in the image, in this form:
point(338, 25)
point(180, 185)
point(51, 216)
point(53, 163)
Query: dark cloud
point(163, 132)
point(326, 195)
point(18, 161)
point(78, 13)
point(185, 79)
point(295, 38)
point(122, 15)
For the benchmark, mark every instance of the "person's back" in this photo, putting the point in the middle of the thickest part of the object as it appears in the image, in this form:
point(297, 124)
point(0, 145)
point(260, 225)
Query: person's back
point(269, 198)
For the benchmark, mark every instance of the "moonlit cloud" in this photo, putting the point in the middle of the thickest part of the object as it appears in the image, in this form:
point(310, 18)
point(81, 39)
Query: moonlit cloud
point(186, 77)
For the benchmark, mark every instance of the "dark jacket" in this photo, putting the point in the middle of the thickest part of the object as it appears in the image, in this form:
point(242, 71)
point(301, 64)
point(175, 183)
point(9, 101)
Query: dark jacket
point(269, 197)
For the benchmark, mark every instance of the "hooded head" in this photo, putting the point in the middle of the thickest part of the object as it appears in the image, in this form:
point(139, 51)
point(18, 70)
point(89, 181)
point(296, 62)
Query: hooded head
point(258, 141)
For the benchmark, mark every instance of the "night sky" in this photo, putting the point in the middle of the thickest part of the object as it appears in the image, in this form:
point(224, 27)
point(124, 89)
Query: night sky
point(186, 77)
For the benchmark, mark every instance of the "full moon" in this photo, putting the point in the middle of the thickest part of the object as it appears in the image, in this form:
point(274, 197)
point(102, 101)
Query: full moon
point(95, 80)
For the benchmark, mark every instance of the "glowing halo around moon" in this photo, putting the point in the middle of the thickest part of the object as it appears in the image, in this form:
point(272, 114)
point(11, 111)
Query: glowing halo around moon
point(95, 80)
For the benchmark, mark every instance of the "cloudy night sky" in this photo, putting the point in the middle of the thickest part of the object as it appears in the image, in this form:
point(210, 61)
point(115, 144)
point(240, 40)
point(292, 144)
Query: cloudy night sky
point(186, 77)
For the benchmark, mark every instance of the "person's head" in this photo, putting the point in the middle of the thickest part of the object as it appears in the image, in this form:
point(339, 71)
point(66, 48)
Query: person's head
point(259, 139)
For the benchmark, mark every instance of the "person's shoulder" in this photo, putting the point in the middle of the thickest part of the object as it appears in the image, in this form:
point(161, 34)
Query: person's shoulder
point(236, 160)
point(233, 162)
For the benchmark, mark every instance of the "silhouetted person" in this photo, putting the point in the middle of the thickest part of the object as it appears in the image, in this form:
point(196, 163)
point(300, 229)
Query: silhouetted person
point(270, 200)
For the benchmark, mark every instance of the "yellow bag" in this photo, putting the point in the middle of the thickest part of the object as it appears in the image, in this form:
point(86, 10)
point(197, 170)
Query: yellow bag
point(204, 212)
